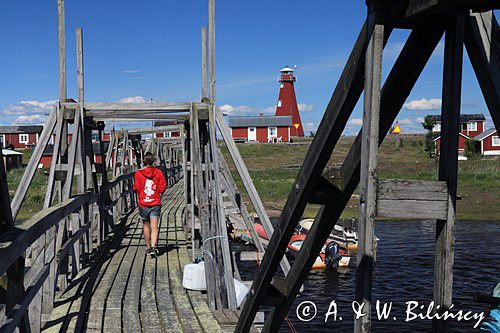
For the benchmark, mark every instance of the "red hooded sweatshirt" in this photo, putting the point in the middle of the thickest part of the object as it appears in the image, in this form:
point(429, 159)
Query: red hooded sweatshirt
point(149, 185)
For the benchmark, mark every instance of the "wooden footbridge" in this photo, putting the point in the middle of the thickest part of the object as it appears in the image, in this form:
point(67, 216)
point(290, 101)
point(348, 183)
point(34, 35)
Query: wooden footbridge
point(79, 264)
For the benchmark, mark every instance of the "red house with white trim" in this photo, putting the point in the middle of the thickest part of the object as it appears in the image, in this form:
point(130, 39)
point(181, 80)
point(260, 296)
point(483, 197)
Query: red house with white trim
point(19, 137)
point(471, 126)
point(488, 142)
point(263, 129)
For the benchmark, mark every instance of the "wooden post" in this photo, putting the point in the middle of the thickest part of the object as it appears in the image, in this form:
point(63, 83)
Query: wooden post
point(448, 165)
point(369, 152)
point(211, 48)
point(61, 33)
point(204, 82)
point(221, 226)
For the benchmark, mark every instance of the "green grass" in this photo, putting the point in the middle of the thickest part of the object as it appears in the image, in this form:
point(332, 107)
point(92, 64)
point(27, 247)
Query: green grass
point(33, 201)
point(273, 168)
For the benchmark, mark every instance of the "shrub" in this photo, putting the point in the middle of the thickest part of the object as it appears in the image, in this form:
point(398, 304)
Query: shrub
point(471, 148)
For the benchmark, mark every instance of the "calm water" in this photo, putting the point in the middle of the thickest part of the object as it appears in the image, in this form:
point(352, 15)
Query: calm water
point(404, 272)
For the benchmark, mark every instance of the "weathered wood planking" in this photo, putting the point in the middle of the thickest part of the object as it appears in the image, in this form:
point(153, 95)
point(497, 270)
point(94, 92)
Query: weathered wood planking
point(412, 190)
point(448, 166)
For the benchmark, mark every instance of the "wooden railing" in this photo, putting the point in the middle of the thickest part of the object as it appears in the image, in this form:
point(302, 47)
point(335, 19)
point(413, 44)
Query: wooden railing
point(55, 243)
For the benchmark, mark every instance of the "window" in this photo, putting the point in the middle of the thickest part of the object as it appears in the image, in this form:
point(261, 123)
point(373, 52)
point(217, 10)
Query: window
point(95, 137)
point(472, 126)
point(282, 85)
point(272, 132)
point(24, 138)
point(437, 127)
point(279, 103)
point(495, 141)
point(2, 141)
point(167, 134)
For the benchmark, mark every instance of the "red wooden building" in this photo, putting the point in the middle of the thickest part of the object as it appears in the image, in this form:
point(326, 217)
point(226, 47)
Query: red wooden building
point(470, 124)
point(287, 101)
point(261, 128)
point(19, 137)
point(488, 142)
point(170, 134)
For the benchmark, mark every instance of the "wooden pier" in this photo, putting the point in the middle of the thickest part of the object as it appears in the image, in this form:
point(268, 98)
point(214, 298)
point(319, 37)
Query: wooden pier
point(79, 264)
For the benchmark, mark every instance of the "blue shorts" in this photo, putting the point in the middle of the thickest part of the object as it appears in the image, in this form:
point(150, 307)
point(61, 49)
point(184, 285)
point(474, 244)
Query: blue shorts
point(149, 212)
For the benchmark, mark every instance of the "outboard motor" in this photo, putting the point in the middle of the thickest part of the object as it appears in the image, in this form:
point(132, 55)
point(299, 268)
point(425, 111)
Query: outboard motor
point(332, 257)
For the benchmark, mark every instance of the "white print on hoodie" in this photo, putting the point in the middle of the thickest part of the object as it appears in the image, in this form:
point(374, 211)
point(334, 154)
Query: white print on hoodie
point(149, 188)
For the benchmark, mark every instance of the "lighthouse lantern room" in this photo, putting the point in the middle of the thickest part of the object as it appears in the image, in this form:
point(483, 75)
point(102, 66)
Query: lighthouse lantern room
point(287, 102)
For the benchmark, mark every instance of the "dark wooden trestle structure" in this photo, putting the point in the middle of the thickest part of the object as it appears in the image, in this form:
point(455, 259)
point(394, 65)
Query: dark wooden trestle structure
point(468, 22)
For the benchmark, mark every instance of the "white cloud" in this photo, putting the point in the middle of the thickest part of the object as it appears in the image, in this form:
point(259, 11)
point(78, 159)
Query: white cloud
point(420, 120)
point(131, 71)
point(40, 105)
point(28, 107)
point(305, 107)
point(356, 122)
point(423, 104)
point(132, 99)
point(310, 126)
point(405, 122)
point(31, 119)
point(245, 110)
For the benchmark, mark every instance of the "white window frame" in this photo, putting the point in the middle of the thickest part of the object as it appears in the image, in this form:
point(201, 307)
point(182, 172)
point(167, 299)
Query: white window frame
point(2, 140)
point(470, 127)
point(21, 136)
point(282, 85)
point(279, 103)
point(269, 135)
point(495, 141)
point(437, 127)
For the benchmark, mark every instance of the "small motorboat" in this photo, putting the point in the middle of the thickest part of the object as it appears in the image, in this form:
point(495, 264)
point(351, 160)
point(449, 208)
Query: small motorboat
point(331, 255)
point(344, 237)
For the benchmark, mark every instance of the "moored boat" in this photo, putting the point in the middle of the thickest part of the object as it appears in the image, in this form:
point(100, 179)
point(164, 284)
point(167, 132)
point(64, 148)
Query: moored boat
point(343, 236)
point(331, 254)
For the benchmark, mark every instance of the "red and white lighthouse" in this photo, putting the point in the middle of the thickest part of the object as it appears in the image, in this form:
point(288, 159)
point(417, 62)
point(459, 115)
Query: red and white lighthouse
point(287, 102)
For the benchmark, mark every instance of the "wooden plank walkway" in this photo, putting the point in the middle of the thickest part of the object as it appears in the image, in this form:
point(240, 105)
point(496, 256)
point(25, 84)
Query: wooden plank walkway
point(122, 290)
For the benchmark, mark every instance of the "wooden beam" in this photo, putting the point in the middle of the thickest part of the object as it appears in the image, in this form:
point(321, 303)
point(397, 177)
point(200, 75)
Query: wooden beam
point(157, 129)
point(61, 34)
point(483, 47)
point(211, 49)
point(204, 81)
point(448, 167)
point(157, 107)
point(369, 158)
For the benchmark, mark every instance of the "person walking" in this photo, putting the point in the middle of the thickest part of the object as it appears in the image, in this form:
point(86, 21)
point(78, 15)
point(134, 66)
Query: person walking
point(150, 184)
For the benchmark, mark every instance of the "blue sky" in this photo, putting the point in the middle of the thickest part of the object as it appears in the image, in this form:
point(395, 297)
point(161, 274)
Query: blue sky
point(139, 50)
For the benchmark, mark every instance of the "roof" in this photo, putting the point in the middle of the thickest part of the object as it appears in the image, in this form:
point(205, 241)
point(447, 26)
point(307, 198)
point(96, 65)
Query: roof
point(438, 137)
point(286, 69)
point(485, 134)
point(260, 121)
point(464, 118)
point(21, 129)
point(10, 152)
